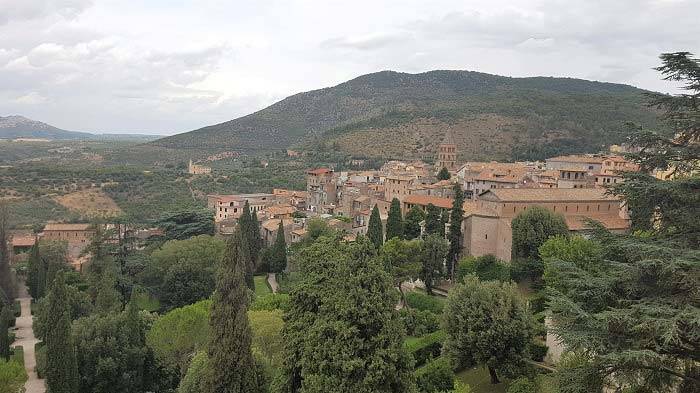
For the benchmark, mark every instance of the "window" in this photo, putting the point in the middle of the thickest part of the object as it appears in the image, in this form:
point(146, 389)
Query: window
point(487, 236)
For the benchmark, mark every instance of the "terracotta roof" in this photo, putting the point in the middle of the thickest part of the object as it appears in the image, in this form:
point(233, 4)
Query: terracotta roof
point(425, 200)
point(549, 194)
point(23, 240)
point(319, 171)
point(577, 158)
point(299, 232)
point(272, 224)
point(577, 223)
point(66, 227)
point(280, 209)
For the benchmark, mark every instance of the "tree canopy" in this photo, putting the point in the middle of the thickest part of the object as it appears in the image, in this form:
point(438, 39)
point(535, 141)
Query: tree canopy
point(412, 228)
point(532, 227)
point(375, 229)
point(394, 222)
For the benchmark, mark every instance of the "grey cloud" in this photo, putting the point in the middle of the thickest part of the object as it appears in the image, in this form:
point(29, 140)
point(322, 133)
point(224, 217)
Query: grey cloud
point(365, 43)
point(19, 10)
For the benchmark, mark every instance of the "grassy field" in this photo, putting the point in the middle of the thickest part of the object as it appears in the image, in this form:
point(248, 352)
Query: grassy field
point(261, 288)
point(480, 382)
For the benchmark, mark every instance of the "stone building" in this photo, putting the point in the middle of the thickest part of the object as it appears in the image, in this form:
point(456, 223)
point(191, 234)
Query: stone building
point(194, 169)
point(447, 154)
point(227, 207)
point(321, 189)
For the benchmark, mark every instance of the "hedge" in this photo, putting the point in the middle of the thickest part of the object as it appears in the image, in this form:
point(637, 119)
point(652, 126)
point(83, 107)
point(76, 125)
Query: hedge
point(271, 302)
point(425, 347)
point(423, 302)
point(419, 322)
point(435, 376)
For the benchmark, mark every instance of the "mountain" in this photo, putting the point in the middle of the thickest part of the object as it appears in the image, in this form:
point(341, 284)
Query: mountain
point(12, 127)
point(398, 115)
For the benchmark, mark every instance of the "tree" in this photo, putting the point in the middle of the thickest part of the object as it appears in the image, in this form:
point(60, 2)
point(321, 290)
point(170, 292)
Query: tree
point(455, 235)
point(342, 331)
point(433, 221)
point(532, 227)
point(375, 230)
point(630, 310)
point(278, 261)
point(249, 250)
point(185, 224)
point(412, 229)
point(34, 263)
point(4, 333)
point(108, 298)
point(7, 283)
point(233, 368)
point(195, 380)
point(394, 222)
point(444, 174)
point(61, 362)
point(401, 258)
point(487, 323)
point(433, 261)
point(486, 268)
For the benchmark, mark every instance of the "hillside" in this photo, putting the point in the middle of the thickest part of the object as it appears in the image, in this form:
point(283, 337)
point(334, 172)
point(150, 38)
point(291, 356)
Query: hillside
point(12, 127)
point(390, 114)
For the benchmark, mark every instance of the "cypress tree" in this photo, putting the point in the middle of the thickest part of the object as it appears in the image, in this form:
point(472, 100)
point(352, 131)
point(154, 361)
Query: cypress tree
point(33, 265)
point(455, 235)
point(375, 230)
point(279, 251)
point(7, 284)
point(233, 369)
point(41, 278)
point(61, 361)
point(4, 334)
point(108, 298)
point(394, 223)
point(432, 220)
point(411, 228)
point(247, 227)
point(256, 241)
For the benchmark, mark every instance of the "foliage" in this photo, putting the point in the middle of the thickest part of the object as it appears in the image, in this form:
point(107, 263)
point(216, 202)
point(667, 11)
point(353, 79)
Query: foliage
point(278, 260)
point(435, 376)
point(433, 221)
point(4, 332)
point(61, 362)
point(487, 322)
point(196, 376)
point(7, 282)
point(522, 385)
point(414, 217)
point(401, 258)
point(341, 329)
point(78, 302)
point(423, 302)
point(532, 227)
point(419, 322)
point(180, 334)
point(375, 230)
point(486, 268)
point(317, 227)
point(582, 252)
point(394, 222)
point(425, 347)
point(444, 174)
point(267, 337)
point(185, 224)
point(433, 261)
point(455, 234)
point(232, 366)
point(270, 302)
point(12, 377)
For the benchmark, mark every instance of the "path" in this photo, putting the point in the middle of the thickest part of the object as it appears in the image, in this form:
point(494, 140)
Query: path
point(272, 280)
point(25, 338)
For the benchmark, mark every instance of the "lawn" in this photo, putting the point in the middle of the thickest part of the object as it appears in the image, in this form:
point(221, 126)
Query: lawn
point(480, 382)
point(261, 288)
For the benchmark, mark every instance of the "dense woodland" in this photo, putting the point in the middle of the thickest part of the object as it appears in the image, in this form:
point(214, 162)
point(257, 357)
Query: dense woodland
point(191, 312)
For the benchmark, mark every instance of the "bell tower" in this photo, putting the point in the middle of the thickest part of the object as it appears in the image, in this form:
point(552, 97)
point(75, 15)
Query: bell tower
point(447, 153)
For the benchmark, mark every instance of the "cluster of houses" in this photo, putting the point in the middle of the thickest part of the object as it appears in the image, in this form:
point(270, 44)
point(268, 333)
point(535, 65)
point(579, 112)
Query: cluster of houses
point(572, 185)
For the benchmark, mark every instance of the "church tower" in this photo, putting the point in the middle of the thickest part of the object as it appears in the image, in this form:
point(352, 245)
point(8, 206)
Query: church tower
point(447, 153)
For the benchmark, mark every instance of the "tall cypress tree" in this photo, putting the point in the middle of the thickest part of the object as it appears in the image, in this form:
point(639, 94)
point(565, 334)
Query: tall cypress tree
point(256, 241)
point(4, 334)
point(233, 369)
point(375, 230)
point(432, 220)
point(61, 361)
point(411, 228)
point(279, 251)
point(7, 284)
point(455, 235)
point(394, 223)
point(33, 265)
point(247, 228)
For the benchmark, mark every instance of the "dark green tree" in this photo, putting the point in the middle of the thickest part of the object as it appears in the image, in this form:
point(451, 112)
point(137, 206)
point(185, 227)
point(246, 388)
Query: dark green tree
point(34, 263)
point(61, 363)
point(433, 220)
point(108, 298)
point(247, 227)
point(455, 235)
point(444, 174)
point(629, 308)
point(233, 368)
point(394, 222)
point(414, 217)
point(401, 258)
point(487, 323)
point(433, 261)
point(375, 230)
point(185, 224)
point(4, 332)
point(532, 227)
point(341, 331)
point(278, 255)
point(7, 283)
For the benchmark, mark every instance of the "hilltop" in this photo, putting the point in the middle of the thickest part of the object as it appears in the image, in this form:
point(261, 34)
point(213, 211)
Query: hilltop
point(14, 127)
point(390, 114)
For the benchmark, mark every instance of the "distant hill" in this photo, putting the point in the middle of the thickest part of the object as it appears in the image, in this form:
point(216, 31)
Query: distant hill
point(14, 127)
point(398, 115)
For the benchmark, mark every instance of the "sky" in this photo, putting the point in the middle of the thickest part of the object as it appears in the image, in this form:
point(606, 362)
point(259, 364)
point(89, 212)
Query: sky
point(170, 66)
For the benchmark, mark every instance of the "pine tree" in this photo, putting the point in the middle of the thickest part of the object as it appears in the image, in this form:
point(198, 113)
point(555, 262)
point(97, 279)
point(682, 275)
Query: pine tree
point(233, 369)
point(412, 229)
point(433, 221)
point(394, 223)
point(7, 284)
point(444, 174)
point(61, 361)
point(375, 230)
point(455, 235)
point(4, 333)
point(279, 251)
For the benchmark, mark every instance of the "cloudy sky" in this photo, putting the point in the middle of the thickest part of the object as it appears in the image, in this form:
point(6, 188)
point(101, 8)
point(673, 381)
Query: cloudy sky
point(168, 66)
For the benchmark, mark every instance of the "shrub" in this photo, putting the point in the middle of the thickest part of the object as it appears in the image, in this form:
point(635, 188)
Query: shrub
point(12, 377)
point(528, 269)
point(18, 355)
point(425, 347)
point(418, 322)
point(522, 385)
point(435, 376)
point(273, 301)
point(486, 268)
point(425, 302)
point(538, 350)
point(40, 354)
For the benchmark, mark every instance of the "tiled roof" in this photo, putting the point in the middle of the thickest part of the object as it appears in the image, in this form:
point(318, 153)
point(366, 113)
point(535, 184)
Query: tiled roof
point(425, 200)
point(577, 223)
point(66, 227)
point(549, 194)
point(23, 240)
point(272, 224)
point(319, 171)
point(577, 158)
